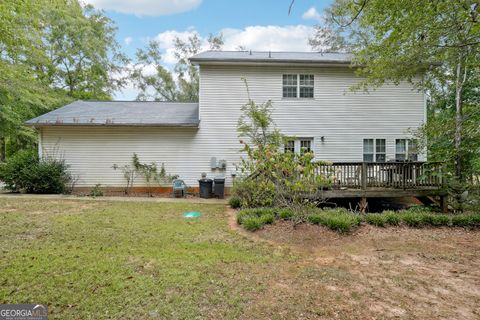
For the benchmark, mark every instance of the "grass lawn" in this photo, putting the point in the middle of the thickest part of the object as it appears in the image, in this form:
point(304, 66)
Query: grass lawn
point(142, 260)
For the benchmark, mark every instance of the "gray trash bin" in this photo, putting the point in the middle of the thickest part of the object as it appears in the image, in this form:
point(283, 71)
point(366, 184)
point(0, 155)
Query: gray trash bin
point(219, 187)
point(206, 186)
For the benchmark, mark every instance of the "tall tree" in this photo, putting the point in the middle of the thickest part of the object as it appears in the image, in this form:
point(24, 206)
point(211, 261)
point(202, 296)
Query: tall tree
point(401, 39)
point(50, 53)
point(156, 82)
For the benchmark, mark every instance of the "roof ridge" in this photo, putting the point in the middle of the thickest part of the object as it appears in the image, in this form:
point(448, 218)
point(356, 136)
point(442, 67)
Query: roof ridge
point(135, 101)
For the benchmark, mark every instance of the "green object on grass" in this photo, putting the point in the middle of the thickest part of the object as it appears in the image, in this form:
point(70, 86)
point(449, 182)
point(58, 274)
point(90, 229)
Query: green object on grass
point(192, 214)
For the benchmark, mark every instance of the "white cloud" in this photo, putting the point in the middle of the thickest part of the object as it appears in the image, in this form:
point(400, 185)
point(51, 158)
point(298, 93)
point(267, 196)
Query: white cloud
point(128, 40)
point(166, 42)
point(268, 38)
point(260, 38)
point(312, 14)
point(146, 7)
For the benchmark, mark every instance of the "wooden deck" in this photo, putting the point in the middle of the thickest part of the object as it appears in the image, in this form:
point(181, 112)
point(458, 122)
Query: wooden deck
point(383, 180)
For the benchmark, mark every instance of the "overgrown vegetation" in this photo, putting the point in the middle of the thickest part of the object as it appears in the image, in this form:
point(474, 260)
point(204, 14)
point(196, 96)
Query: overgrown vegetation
point(439, 39)
point(343, 220)
point(25, 172)
point(269, 176)
point(148, 171)
point(51, 52)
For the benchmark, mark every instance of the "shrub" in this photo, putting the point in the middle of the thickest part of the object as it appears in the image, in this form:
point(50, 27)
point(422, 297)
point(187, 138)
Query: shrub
point(392, 218)
point(337, 220)
point(254, 219)
point(15, 171)
point(379, 220)
point(413, 219)
point(252, 223)
point(254, 194)
point(96, 191)
point(461, 220)
point(284, 214)
point(48, 176)
point(235, 202)
point(25, 172)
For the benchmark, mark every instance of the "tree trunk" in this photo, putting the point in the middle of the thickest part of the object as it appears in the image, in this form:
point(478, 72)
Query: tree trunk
point(458, 123)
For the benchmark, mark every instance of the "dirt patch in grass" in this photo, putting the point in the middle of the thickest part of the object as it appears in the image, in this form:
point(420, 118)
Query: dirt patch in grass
point(431, 273)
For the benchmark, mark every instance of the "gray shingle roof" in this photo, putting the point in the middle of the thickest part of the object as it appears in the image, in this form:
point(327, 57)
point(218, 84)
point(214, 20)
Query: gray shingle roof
point(271, 57)
point(121, 113)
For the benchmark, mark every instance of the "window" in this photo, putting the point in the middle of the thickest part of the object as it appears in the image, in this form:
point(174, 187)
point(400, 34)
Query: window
point(412, 150)
point(305, 145)
point(406, 150)
point(290, 146)
point(298, 85)
point(306, 85)
point(299, 145)
point(368, 150)
point(380, 150)
point(289, 85)
point(374, 150)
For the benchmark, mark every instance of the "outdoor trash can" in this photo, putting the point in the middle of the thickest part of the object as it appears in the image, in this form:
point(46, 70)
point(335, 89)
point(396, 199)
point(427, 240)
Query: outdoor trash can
point(205, 188)
point(219, 187)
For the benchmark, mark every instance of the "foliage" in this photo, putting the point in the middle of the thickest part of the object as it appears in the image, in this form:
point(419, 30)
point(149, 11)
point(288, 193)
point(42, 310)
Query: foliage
point(235, 202)
point(269, 176)
point(51, 52)
point(26, 173)
point(96, 191)
point(343, 220)
point(149, 172)
point(339, 220)
point(400, 41)
point(15, 171)
point(161, 84)
point(327, 39)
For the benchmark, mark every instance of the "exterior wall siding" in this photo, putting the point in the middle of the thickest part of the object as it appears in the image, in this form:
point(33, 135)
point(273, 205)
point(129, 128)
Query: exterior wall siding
point(342, 117)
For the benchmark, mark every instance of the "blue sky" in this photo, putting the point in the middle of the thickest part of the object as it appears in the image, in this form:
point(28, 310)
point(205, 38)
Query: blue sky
point(254, 24)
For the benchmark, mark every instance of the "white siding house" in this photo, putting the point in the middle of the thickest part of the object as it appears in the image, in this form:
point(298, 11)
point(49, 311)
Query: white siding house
point(339, 125)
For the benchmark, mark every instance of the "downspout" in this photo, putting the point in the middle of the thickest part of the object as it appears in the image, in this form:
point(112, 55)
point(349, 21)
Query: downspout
point(40, 143)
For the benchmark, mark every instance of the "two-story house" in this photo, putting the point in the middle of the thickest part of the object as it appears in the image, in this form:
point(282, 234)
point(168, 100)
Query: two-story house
point(312, 102)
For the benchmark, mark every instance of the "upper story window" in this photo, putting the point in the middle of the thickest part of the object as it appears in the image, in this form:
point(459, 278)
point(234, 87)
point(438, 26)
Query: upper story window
point(406, 149)
point(374, 150)
point(299, 145)
point(298, 85)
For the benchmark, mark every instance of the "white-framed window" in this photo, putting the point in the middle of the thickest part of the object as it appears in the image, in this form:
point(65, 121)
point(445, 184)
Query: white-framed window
point(299, 145)
point(406, 149)
point(374, 150)
point(298, 85)
point(289, 146)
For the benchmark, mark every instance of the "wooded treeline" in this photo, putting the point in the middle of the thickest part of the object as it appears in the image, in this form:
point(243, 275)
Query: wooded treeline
point(56, 51)
point(440, 39)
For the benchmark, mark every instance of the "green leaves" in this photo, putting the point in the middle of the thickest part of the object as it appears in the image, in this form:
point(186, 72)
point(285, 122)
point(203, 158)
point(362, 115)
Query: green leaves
point(50, 54)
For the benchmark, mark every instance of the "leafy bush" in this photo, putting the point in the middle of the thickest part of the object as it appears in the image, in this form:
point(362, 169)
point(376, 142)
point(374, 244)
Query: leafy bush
point(96, 191)
point(392, 218)
point(337, 220)
point(15, 171)
point(25, 172)
point(254, 194)
point(254, 219)
point(378, 220)
point(49, 176)
point(284, 214)
point(270, 176)
point(235, 202)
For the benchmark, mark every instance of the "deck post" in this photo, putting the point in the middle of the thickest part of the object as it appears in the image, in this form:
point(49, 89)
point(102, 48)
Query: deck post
point(364, 176)
point(362, 205)
point(443, 204)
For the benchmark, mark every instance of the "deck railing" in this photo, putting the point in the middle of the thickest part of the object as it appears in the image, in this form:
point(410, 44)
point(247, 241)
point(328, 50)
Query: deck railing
point(402, 175)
